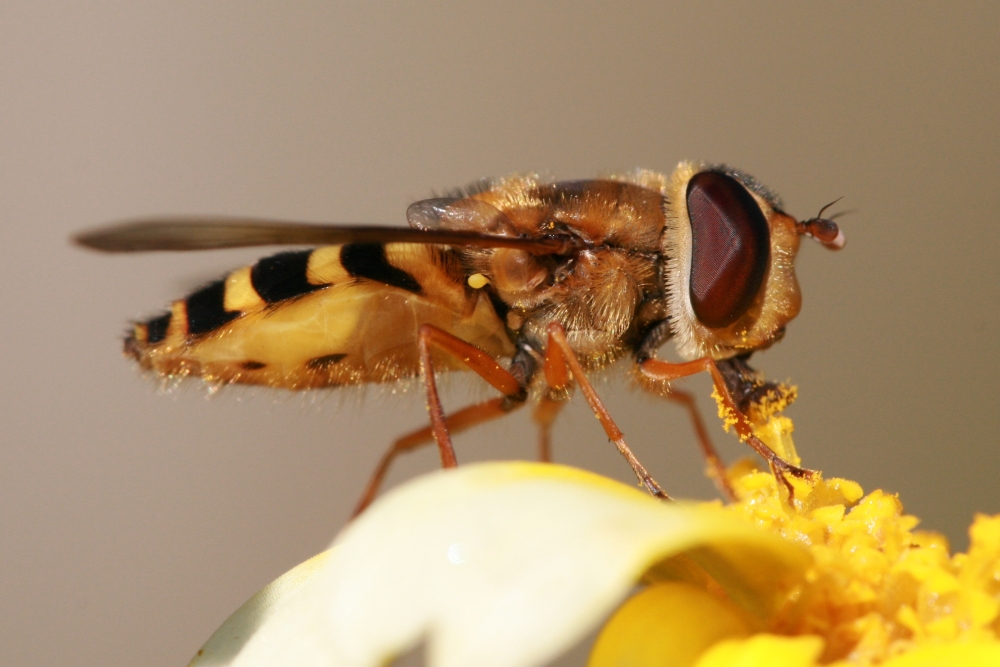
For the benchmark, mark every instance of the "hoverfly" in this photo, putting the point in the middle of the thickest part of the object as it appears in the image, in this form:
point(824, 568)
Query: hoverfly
point(555, 278)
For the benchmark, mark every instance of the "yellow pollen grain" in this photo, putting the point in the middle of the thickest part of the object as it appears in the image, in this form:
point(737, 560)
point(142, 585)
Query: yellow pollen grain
point(478, 281)
point(726, 414)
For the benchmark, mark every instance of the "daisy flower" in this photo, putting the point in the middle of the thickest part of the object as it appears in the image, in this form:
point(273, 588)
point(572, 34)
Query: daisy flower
point(511, 564)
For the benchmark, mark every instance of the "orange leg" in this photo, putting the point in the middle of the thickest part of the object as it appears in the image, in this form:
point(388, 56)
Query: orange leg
point(665, 371)
point(477, 360)
point(707, 448)
point(545, 414)
point(560, 361)
point(457, 422)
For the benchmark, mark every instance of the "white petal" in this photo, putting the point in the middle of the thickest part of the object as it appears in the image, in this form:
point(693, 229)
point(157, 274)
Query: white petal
point(495, 565)
point(226, 643)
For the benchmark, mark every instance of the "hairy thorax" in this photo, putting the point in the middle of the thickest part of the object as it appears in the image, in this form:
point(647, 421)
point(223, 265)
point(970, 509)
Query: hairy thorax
point(602, 297)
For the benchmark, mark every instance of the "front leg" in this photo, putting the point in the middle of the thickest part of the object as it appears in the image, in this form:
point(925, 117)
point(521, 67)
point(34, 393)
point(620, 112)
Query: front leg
point(664, 372)
point(754, 396)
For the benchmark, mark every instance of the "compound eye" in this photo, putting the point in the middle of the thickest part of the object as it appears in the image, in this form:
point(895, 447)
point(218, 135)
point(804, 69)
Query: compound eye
point(730, 248)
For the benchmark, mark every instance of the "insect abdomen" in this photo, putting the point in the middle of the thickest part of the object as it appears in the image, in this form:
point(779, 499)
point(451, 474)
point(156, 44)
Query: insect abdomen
point(314, 318)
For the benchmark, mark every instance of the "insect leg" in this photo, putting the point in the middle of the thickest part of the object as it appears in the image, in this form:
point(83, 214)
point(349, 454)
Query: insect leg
point(655, 336)
point(457, 422)
point(560, 361)
point(545, 415)
point(665, 371)
point(704, 441)
point(477, 360)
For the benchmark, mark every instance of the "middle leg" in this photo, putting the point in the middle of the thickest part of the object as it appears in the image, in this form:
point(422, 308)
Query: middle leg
point(560, 361)
point(715, 463)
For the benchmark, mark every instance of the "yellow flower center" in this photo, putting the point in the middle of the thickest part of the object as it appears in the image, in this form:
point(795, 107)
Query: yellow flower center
point(877, 588)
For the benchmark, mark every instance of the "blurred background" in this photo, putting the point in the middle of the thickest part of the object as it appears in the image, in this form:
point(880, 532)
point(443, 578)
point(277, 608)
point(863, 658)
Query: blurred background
point(133, 521)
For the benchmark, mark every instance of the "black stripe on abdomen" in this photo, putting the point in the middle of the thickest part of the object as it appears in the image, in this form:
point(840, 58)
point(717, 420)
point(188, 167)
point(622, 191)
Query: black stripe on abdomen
point(156, 328)
point(205, 309)
point(368, 260)
point(282, 276)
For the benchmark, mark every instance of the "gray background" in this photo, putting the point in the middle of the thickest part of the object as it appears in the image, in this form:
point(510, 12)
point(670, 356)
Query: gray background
point(133, 522)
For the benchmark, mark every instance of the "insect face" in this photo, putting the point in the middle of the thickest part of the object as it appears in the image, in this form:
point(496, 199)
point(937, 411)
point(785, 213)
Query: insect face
point(730, 249)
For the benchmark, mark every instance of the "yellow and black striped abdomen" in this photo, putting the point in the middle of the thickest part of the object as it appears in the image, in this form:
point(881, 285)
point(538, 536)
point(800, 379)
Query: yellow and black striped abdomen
point(316, 318)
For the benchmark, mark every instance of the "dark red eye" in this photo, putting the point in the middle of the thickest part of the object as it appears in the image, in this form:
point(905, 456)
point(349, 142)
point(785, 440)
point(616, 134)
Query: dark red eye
point(730, 248)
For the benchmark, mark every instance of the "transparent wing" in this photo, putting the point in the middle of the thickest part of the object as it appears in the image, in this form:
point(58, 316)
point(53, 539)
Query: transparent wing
point(206, 233)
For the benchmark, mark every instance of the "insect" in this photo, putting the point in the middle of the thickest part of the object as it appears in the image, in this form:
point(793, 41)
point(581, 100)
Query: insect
point(529, 284)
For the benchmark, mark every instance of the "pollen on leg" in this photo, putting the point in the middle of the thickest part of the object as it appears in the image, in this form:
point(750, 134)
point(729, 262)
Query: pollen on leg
point(726, 413)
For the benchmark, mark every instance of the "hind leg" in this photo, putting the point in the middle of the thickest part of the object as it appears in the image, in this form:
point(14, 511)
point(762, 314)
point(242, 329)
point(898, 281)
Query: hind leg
point(477, 361)
point(545, 415)
point(457, 422)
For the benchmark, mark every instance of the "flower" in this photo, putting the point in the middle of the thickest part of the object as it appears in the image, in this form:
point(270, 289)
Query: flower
point(510, 564)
